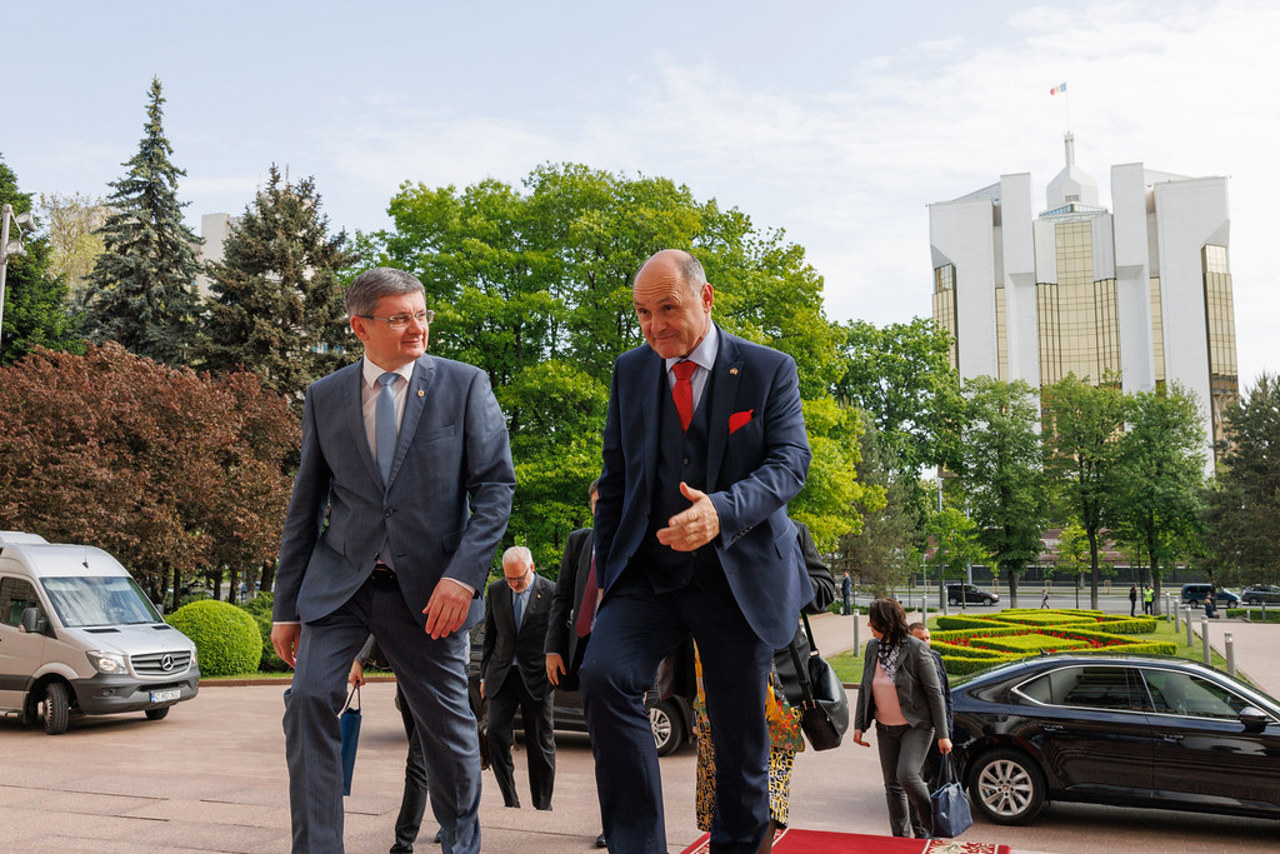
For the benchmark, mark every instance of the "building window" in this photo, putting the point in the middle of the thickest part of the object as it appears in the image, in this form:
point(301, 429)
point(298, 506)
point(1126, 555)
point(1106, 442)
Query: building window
point(1220, 324)
point(944, 307)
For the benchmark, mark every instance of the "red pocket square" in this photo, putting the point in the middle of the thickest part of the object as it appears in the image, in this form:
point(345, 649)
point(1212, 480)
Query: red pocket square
point(738, 420)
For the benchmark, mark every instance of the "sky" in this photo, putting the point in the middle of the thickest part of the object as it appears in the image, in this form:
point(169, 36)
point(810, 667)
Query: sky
point(836, 121)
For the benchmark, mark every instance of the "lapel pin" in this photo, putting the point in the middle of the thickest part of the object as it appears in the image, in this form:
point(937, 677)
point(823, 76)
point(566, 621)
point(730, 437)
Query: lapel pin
point(733, 372)
point(421, 393)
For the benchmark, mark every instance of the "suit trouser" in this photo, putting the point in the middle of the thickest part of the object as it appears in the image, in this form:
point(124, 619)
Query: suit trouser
point(413, 803)
point(433, 676)
point(539, 739)
point(634, 630)
point(902, 751)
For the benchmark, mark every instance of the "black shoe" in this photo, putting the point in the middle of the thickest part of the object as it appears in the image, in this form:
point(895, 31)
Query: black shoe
point(600, 843)
point(547, 808)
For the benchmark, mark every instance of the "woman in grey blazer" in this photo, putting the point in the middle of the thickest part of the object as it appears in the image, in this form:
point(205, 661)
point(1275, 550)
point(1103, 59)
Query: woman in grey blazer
point(900, 691)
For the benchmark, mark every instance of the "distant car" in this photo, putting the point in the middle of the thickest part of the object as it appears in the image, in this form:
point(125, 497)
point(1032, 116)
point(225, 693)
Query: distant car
point(671, 719)
point(1195, 594)
point(1137, 731)
point(1259, 594)
point(971, 594)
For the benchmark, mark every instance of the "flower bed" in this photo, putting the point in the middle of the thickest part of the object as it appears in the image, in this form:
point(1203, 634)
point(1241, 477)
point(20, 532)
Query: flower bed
point(970, 643)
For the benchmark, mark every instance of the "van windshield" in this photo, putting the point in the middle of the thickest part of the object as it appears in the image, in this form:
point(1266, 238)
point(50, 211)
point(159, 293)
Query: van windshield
point(111, 600)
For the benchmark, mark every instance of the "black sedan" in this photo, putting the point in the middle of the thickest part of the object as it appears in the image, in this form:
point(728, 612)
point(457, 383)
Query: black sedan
point(1119, 730)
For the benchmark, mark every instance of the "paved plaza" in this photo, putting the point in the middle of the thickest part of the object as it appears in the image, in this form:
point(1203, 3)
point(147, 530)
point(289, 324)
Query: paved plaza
point(211, 777)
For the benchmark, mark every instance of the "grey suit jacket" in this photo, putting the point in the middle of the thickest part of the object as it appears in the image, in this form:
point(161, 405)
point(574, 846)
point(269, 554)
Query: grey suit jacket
point(444, 507)
point(505, 648)
point(918, 688)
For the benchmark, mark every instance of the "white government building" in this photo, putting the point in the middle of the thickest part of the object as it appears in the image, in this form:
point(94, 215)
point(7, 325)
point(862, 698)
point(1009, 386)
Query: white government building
point(1141, 292)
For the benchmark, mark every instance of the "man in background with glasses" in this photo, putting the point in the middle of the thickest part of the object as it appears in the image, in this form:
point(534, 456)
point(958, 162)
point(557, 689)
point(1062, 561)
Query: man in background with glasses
point(402, 494)
point(513, 675)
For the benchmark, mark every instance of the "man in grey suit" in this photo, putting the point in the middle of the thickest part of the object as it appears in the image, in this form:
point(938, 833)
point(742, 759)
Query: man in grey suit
point(513, 674)
point(402, 494)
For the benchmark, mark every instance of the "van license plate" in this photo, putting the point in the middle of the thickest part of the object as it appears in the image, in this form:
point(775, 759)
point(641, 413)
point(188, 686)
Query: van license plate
point(165, 696)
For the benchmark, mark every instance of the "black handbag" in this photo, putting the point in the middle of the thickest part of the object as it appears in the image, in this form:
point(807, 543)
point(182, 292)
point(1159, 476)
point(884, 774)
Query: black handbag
point(951, 813)
point(824, 706)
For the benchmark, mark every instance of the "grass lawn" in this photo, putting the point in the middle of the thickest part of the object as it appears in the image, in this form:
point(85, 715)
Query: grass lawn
point(848, 665)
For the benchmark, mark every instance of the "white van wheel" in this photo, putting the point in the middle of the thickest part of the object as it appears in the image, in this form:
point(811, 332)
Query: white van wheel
point(55, 710)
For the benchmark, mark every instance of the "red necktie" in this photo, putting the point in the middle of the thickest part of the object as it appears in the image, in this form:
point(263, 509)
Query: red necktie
point(682, 391)
point(587, 609)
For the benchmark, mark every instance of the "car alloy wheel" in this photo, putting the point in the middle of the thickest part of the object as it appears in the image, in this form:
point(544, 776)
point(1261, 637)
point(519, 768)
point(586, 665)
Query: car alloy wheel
point(1007, 787)
point(668, 728)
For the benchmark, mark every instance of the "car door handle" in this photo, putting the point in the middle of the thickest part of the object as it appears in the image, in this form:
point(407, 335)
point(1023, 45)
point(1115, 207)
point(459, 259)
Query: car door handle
point(1172, 739)
point(1053, 728)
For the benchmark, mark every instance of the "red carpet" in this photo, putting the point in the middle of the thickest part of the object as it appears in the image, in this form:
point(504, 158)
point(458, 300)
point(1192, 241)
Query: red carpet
point(821, 842)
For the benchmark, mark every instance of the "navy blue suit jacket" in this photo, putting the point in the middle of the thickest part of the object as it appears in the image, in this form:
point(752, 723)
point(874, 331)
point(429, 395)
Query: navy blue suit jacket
point(752, 472)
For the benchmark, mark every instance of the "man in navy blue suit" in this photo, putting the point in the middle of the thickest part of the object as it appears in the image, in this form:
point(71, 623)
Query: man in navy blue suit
point(704, 445)
point(402, 494)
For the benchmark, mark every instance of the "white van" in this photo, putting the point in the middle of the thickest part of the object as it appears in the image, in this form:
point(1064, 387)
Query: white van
point(77, 635)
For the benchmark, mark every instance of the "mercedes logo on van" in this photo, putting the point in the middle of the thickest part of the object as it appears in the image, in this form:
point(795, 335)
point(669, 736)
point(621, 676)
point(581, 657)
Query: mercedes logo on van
point(166, 663)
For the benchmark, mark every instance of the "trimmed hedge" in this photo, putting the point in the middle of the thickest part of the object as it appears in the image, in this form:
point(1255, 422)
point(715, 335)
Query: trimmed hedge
point(259, 607)
point(226, 638)
point(971, 643)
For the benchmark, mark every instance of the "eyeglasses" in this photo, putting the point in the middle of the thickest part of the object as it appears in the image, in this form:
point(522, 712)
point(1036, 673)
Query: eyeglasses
point(401, 321)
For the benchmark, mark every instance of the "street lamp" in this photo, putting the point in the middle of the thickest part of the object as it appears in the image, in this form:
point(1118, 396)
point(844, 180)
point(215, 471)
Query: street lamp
point(11, 247)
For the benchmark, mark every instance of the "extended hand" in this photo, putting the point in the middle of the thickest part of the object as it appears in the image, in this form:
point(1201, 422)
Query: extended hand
point(555, 667)
point(693, 528)
point(858, 739)
point(447, 608)
point(285, 640)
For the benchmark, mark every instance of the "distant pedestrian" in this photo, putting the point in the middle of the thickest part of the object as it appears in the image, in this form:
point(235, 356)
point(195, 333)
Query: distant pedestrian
point(1148, 600)
point(1044, 598)
point(846, 592)
point(1133, 600)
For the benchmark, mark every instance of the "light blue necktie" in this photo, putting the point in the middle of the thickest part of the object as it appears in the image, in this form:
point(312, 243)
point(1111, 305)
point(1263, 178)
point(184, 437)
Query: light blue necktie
point(384, 425)
point(517, 607)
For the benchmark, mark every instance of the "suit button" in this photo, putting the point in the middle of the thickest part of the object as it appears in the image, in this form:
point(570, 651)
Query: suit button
point(685, 461)
point(388, 513)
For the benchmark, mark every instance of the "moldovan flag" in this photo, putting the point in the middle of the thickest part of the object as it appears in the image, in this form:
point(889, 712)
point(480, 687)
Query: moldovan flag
point(1061, 87)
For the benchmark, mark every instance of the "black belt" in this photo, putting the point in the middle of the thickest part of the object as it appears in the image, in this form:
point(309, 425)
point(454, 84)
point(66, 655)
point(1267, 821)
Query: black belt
point(382, 572)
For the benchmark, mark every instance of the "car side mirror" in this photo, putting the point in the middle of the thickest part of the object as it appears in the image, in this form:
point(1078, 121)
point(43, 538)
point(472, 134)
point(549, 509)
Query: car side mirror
point(33, 623)
point(1254, 720)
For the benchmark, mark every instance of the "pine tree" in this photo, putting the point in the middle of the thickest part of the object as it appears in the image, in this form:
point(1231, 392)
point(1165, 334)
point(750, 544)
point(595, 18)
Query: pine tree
point(276, 305)
point(142, 289)
point(35, 311)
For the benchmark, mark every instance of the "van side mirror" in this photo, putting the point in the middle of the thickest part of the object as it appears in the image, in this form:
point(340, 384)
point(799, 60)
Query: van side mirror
point(32, 622)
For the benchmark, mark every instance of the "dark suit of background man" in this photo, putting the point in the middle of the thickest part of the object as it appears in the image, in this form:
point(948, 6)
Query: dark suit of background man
point(394, 543)
point(513, 673)
point(573, 608)
point(692, 537)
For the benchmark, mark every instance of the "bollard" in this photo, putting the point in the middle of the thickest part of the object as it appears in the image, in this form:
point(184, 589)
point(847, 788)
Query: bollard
point(1177, 621)
point(1230, 646)
point(1204, 639)
point(857, 644)
point(1186, 613)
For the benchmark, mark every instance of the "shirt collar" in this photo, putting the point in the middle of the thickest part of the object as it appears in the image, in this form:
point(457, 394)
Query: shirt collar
point(371, 372)
point(704, 355)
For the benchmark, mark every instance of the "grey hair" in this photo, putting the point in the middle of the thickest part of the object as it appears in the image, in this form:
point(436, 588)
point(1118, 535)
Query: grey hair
point(372, 285)
point(517, 553)
point(691, 272)
point(594, 488)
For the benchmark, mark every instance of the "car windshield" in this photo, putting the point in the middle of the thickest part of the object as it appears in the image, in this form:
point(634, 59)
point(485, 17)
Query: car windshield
point(99, 601)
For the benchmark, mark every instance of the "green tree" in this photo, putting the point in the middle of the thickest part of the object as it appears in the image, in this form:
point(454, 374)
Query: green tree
point(534, 287)
point(957, 545)
point(1243, 507)
point(902, 375)
point(1082, 427)
point(882, 554)
point(1072, 554)
point(142, 289)
point(276, 306)
point(171, 472)
point(35, 297)
point(1001, 466)
point(75, 244)
point(1160, 485)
